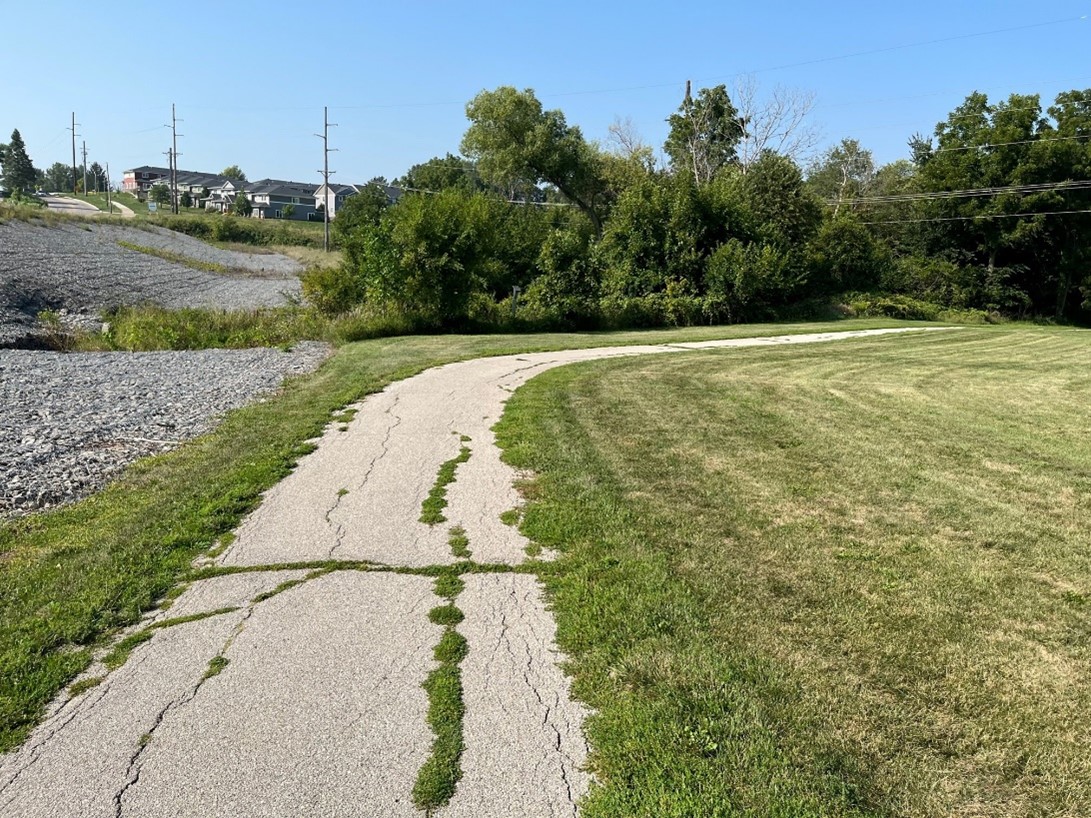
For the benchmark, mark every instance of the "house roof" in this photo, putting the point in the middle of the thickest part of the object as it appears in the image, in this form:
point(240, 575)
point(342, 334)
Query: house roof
point(148, 169)
point(194, 178)
point(280, 187)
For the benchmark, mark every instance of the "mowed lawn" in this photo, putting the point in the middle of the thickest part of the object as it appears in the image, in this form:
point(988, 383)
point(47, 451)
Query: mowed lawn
point(841, 579)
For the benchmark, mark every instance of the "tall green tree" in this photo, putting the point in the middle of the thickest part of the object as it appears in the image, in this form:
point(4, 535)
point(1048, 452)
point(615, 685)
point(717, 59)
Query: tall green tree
point(514, 141)
point(704, 134)
point(1026, 252)
point(442, 173)
point(842, 173)
point(97, 177)
point(242, 205)
point(18, 169)
point(58, 177)
point(234, 172)
point(160, 194)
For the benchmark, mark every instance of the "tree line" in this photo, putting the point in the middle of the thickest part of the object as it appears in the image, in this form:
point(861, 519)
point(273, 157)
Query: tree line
point(533, 223)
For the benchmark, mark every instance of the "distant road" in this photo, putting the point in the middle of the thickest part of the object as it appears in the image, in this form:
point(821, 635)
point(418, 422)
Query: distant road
point(78, 207)
point(74, 206)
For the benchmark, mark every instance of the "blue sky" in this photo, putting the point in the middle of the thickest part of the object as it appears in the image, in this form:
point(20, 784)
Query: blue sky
point(250, 78)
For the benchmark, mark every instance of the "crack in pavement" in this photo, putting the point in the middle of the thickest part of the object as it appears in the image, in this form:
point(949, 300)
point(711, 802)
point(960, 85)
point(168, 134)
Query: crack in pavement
point(521, 730)
point(384, 449)
point(83, 709)
point(132, 774)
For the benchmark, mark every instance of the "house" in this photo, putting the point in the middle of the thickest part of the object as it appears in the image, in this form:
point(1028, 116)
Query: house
point(195, 184)
point(339, 194)
point(221, 197)
point(271, 199)
point(139, 181)
point(334, 197)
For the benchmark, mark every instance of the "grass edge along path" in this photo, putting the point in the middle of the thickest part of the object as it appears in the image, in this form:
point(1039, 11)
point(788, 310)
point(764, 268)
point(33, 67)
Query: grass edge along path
point(749, 653)
point(72, 577)
point(654, 753)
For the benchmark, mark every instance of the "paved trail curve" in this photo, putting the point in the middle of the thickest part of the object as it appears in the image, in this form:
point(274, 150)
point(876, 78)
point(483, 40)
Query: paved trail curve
point(298, 692)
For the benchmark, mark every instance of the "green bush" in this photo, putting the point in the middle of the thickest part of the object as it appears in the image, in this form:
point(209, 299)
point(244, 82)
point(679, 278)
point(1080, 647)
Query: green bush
point(332, 290)
point(892, 306)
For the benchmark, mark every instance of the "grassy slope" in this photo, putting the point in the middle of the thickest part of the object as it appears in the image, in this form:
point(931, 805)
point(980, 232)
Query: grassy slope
point(831, 580)
point(70, 578)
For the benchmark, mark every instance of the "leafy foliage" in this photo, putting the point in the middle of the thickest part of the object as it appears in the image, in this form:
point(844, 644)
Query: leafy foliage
point(704, 134)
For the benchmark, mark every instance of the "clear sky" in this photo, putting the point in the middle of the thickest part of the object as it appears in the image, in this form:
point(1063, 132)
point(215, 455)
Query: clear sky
point(250, 78)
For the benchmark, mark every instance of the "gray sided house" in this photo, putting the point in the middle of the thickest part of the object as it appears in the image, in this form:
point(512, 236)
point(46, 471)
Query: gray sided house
point(271, 198)
point(334, 197)
point(337, 195)
point(222, 197)
point(195, 184)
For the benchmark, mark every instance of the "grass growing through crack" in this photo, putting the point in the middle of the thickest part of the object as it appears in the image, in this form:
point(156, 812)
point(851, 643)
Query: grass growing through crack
point(216, 666)
point(75, 575)
point(439, 776)
point(836, 580)
point(120, 652)
point(431, 511)
point(459, 542)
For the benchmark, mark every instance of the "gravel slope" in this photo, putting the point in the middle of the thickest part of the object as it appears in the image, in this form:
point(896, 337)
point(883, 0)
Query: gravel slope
point(70, 422)
point(83, 269)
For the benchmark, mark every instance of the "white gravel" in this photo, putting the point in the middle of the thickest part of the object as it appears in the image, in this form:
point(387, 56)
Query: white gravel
point(81, 268)
point(70, 422)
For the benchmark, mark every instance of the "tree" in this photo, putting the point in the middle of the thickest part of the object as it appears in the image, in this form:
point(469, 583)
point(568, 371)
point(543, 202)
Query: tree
point(514, 142)
point(18, 169)
point(186, 200)
point(99, 173)
point(777, 122)
point(704, 134)
point(234, 172)
point(160, 194)
point(242, 205)
point(448, 172)
point(288, 211)
point(58, 177)
point(843, 173)
point(1020, 257)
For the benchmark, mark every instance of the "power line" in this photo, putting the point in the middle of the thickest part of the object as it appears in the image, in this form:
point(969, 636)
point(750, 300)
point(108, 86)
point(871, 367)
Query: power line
point(975, 218)
point(1017, 142)
point(1042, 187)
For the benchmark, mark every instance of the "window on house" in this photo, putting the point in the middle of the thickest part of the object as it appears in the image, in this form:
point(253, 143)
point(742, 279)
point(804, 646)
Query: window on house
point(277, 214)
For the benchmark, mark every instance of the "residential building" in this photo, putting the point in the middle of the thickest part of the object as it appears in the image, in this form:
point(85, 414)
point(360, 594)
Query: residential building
point(139, 181)
point(271, 198)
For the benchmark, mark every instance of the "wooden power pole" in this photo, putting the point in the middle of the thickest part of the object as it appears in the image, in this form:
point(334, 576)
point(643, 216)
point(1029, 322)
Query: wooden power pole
point(326, 173)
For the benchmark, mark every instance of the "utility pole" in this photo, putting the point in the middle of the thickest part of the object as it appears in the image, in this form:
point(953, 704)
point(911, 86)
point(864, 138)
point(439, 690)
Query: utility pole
point(73, 129)
point(326, 173)
point(109, 201)
point(85, 167)
point(169, 153)
point(174, 160)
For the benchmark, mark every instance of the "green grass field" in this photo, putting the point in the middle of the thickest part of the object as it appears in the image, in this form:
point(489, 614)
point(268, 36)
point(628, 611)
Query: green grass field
point(834, 580)
point(71, 577)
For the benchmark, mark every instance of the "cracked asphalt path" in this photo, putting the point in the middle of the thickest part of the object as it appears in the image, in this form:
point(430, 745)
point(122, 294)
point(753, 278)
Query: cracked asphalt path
point(316, 704)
